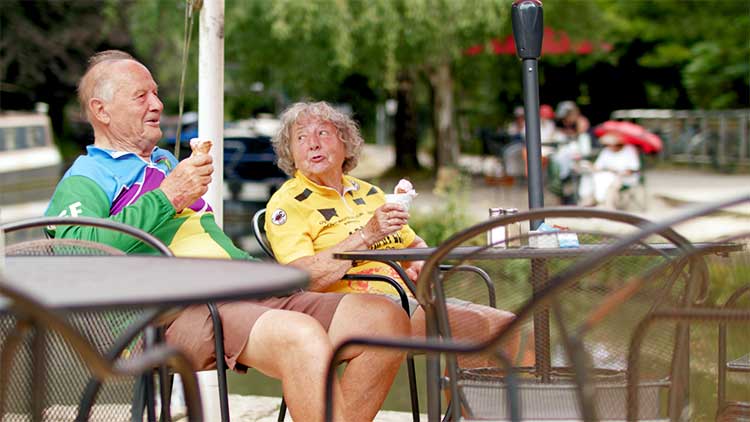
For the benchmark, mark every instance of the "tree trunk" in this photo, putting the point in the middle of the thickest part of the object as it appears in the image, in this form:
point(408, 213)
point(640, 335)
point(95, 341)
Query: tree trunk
point(446, 138)
point(406, 135)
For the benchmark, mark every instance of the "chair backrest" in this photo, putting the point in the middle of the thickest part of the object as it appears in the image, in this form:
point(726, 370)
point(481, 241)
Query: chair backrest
point(259, 231)
point(726, 306)
point(68, 376)
point(42, 223)
point(53, 334)
point(523, 269)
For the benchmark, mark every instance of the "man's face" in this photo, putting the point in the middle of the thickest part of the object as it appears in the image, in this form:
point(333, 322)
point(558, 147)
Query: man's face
point(317, 149)
point(135, 108)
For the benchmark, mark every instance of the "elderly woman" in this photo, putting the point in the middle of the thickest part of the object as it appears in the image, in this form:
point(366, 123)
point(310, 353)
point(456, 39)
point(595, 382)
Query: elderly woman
point(617, 165)
point(322, 210)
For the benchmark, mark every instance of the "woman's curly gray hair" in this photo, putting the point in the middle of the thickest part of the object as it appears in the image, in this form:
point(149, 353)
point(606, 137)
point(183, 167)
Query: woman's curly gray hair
point(347, 132)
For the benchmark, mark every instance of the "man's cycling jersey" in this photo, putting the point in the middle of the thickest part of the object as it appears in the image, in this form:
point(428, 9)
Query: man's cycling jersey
point(123, 187)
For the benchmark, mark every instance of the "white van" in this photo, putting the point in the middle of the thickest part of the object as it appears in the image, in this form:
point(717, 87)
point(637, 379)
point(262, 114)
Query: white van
point(30, 164)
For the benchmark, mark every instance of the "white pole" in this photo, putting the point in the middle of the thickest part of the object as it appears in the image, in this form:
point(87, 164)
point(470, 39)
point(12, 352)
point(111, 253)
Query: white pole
point(211, 126)
point(211, 96)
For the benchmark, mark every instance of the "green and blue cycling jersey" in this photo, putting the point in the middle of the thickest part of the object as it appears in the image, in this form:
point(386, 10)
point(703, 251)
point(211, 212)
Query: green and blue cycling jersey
point(123, 187)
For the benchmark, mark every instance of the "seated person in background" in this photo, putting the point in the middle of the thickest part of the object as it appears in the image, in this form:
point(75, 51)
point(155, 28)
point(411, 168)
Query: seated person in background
point(547, 127)
point(573, 144)
point(616, 166)
point(573, 124)
point(516, 129)
point(126, 178)
point(322, 210)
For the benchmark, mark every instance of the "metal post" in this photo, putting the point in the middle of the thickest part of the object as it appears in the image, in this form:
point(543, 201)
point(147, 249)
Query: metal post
point(528, 25)
point(211, 126)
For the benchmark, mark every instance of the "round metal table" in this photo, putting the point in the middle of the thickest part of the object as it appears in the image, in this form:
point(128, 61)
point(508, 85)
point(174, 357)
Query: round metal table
point(100, 282)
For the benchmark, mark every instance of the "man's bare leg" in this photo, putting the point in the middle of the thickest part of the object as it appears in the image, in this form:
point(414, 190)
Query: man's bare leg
point(370, 372)
point(294, 348)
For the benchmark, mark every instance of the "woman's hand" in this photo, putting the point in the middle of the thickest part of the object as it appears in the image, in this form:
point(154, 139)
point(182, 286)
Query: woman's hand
point(387, 219)
point(413, 269)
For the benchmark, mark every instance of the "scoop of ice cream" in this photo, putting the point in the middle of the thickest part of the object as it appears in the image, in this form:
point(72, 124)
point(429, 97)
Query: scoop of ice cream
point(404, 186)
point(200, 146)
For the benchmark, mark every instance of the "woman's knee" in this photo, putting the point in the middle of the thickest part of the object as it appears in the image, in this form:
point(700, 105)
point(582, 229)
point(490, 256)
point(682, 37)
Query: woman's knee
point(378, 314)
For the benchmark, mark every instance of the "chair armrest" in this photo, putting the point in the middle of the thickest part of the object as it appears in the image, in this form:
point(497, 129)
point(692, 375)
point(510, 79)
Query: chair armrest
point(482, 274)
point(383, 279)
point(161, 355)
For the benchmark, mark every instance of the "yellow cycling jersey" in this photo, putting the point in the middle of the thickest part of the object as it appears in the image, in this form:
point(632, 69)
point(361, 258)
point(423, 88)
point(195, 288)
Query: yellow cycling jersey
point(304, 218)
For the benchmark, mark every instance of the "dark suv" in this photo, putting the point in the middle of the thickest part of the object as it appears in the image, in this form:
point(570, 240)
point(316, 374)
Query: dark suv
point(248, 154)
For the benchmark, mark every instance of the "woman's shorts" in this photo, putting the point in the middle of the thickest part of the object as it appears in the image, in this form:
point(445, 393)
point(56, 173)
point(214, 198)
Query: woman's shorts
point(193, 330)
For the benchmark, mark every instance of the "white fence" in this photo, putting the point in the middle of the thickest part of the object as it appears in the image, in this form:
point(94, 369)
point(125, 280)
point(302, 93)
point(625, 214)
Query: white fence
point(716, 137)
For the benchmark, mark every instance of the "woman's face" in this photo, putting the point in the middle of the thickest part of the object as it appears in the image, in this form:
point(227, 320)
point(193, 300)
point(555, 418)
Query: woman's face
point(317, 150)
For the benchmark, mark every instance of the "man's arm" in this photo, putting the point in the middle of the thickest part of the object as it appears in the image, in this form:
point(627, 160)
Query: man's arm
point(80, 196)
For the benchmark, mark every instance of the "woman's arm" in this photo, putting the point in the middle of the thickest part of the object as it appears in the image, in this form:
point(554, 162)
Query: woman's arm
point(325, 270)
point(413, 268)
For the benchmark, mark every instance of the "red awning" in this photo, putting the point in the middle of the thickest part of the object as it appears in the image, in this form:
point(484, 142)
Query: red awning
point(554, 42)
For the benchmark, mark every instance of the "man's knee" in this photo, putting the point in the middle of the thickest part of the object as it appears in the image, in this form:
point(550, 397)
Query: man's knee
point(293, 332)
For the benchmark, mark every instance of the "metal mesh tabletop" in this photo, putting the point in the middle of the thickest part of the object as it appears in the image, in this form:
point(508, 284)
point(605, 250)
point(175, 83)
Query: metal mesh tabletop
point(97, 282)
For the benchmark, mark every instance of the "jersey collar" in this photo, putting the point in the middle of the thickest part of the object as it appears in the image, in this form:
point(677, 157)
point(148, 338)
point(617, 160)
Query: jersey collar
point(349, 185)
point(95, 150)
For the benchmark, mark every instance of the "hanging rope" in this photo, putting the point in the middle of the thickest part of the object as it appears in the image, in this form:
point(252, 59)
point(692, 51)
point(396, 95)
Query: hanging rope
point(191, 8)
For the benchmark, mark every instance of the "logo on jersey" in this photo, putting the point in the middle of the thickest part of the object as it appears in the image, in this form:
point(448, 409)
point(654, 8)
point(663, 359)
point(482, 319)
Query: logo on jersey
point(278, 217)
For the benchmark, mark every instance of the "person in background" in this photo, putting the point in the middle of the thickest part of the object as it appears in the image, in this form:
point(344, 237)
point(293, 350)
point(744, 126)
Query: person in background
point(124, 177)
point(617, 165)
point(548, 129)
point(572, 123)
point(574, 144)
point(513, 154)
point(516, 129)
point(322, 210)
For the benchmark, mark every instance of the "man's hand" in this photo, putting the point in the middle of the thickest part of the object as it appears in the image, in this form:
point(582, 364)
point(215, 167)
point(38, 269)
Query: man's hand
point(188, 181)
point(387, 219)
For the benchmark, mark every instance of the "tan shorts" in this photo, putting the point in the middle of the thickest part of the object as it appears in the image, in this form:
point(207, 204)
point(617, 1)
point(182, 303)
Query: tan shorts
point(193, 331)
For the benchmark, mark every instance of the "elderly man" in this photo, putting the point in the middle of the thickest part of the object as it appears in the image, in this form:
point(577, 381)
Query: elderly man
point(126, 178)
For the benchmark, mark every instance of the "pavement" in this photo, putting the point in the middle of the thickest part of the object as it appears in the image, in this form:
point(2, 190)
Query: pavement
point(668, 193)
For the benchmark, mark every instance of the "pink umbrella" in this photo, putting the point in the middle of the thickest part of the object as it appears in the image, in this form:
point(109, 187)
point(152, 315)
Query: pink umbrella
point(631, 133)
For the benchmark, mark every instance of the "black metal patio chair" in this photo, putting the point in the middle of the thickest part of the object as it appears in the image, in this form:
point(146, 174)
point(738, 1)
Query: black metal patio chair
point(573, 291)
point(260, 235)
point(704, 321)
point(54, 336)
point(26, 238)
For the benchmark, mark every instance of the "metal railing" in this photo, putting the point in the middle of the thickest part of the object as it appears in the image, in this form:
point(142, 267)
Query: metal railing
point(715, 137)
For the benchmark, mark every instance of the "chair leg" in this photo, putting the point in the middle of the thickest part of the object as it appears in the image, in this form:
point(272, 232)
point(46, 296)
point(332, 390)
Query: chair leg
point(148, 386)
point(282, 411)
point(165, 393)
point(413, 387)
point(221, 365)
point(139, 401)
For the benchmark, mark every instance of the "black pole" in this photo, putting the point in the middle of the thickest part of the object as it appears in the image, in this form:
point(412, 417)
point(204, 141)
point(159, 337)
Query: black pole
point(528, 24)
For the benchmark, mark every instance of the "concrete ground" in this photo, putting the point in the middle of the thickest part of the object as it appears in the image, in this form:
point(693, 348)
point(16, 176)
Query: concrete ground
point(668, 192)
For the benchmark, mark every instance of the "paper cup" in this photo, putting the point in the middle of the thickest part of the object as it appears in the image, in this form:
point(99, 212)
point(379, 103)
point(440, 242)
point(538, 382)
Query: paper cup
point(399, 198)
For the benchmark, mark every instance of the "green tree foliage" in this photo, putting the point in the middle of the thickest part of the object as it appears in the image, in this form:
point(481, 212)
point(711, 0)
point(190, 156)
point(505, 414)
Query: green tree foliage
point(158, 30)
point(709, 42)
point(45, 45)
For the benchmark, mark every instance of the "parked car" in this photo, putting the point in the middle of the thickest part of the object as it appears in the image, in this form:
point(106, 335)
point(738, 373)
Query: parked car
point(248, 155)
